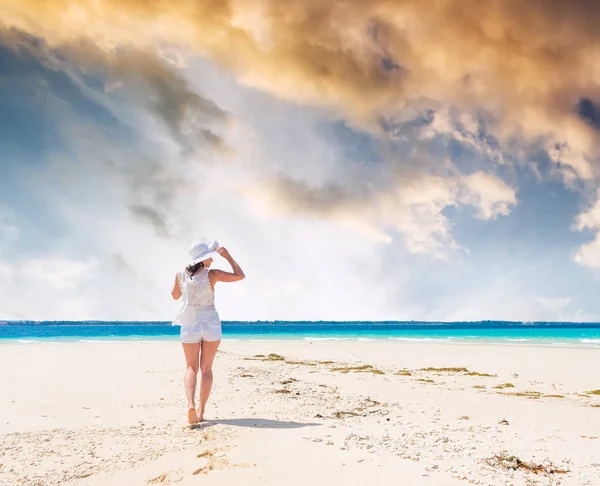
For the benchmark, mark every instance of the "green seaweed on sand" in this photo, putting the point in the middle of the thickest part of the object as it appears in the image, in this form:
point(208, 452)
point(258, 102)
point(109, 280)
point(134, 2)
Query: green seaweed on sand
point(424, 380)
point(593, 392)
point(526, 394)
point(358, 369)
point(304, 363)
point(446, 370)
point(479, 387)
point(403, 372)
point(460, 369)
point(262, 357)
point(346, 369)
point(505, 385)
point(309, 363)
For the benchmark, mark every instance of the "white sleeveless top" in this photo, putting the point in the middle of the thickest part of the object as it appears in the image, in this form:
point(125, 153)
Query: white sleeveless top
point(198, 300)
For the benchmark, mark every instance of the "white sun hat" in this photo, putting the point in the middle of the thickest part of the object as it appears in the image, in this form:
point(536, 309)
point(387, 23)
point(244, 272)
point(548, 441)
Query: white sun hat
point(203, 249)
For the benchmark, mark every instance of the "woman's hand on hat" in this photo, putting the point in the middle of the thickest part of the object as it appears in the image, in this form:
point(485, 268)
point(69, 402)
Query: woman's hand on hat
point(221, 276)
point(223, 252)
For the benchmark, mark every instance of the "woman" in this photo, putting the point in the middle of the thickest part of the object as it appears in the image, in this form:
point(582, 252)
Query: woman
point(199, 320)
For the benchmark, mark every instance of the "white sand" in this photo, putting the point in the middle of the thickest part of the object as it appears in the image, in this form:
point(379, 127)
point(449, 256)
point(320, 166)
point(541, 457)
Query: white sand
point(114, 414)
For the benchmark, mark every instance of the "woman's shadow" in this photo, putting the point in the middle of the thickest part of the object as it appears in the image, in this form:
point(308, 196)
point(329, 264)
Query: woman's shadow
point(254, 423)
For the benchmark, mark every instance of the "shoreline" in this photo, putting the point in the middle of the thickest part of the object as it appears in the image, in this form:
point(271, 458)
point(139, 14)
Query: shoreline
point(508, 342)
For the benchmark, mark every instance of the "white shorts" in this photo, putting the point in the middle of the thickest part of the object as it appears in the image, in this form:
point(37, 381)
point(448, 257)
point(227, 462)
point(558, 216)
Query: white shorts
point(209, 330)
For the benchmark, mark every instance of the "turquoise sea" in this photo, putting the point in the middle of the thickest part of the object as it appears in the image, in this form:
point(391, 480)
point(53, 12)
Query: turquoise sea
point(501, 332)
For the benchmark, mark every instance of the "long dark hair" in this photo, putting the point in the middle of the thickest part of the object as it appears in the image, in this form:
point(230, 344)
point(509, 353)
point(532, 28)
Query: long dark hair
point(192, 268)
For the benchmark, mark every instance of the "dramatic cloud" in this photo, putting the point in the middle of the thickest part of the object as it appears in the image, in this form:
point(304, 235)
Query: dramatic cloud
point(530, 66)
point(396, 120)
point(527, 63)
point(529, 69)
point(137, 76)
point(124, 86)
point(414, 207)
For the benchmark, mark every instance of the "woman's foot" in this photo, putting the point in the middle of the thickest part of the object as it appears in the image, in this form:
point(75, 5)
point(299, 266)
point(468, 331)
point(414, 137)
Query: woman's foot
point(200, 415)
point(192, 416)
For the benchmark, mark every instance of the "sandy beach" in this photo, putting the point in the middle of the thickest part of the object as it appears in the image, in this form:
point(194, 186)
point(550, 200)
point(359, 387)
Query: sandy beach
point(301, 412)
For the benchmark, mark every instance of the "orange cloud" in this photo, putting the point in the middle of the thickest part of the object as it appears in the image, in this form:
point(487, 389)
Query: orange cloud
point(526, 62)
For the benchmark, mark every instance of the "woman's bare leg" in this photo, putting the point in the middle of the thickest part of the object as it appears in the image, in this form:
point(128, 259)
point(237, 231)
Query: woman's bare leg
point(191, 351)
point(207, 356)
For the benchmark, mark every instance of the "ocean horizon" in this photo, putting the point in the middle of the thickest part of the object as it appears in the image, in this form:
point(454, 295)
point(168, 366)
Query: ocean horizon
point(585, 334)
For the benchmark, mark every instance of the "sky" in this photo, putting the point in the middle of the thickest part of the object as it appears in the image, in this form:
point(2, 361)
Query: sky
point(361, 160)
